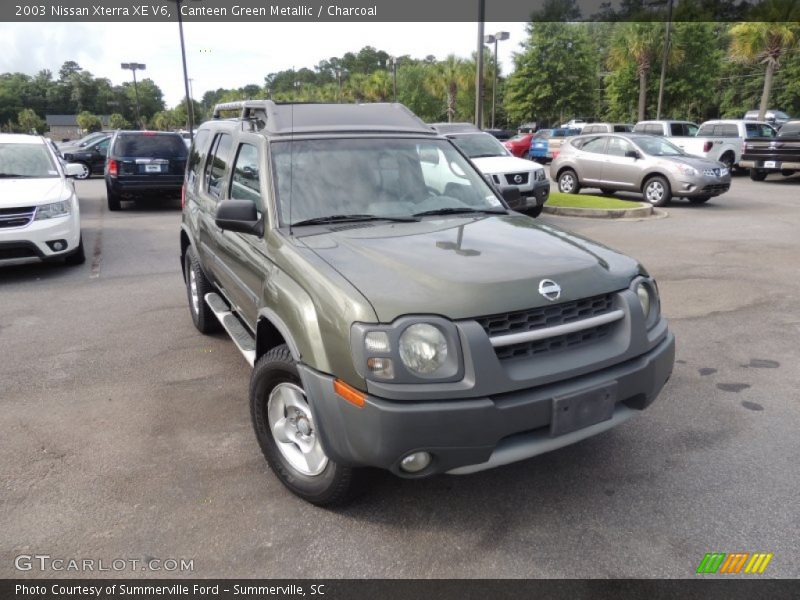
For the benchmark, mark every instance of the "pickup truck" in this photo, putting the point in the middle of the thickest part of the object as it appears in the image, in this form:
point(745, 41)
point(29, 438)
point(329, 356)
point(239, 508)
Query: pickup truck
point(723, 140)
point(773, 155)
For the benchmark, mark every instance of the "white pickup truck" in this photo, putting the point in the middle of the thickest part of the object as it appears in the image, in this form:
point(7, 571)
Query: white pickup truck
point(723, 140)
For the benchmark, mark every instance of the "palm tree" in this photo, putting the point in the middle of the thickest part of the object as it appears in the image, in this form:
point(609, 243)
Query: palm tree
point(355, 88)
point(445, 79)
point(378, 87)
point(762, 42)
point(643, 43)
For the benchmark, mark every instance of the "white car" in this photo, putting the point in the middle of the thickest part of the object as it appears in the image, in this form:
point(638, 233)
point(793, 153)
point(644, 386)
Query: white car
point(39, 213)
point(495, 161)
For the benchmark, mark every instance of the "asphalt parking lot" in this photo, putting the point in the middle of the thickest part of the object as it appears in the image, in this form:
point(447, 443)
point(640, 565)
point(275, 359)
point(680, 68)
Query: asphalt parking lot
point(126, 433)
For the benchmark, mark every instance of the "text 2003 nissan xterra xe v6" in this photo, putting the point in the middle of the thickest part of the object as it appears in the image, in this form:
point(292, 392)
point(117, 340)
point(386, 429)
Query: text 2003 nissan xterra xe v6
point(396, 311)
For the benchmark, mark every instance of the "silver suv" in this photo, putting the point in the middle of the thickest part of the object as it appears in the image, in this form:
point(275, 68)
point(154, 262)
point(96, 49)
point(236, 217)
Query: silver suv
point(637, 163)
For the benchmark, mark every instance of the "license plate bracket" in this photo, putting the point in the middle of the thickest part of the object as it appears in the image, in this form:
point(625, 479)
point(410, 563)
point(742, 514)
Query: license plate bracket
point(582, 409)
point(152, 168)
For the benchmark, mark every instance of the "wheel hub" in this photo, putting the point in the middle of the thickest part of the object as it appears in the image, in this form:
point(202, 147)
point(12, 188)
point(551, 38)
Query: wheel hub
point(292, 426)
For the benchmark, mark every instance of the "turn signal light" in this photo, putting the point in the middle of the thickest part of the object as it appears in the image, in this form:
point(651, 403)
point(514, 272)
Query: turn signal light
point(113, 169)
point(352, 395)
point(707, 146)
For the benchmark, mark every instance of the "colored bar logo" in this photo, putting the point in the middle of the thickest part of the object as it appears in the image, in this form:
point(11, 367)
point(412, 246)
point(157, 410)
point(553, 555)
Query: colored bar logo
point(735, 563)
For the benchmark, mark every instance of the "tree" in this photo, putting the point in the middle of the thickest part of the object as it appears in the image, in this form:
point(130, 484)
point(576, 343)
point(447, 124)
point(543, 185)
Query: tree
point(642, 44)
point(117, 121)
point(166, 120)
point(88, 122)
point(765, 43)
point(378, 87)
point(555, 75)
point(30, 122)
point(446, 79)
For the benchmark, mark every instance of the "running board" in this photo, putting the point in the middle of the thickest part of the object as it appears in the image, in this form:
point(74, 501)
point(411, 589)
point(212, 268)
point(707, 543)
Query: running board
point(240, 336)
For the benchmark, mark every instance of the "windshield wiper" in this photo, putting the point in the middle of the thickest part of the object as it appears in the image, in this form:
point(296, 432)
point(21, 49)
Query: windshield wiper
point(486, 155)
point(341, 218)
point(455, 211)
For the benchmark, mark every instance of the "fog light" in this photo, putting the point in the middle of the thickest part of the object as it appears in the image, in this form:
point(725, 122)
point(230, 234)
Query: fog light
point(382, 367)
point(416, 462)
point(57, 245)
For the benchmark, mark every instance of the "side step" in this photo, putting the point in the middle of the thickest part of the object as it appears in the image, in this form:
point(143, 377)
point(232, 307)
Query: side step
point(240, 336)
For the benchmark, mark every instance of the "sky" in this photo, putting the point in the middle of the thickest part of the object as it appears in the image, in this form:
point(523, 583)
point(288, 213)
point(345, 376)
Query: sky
point(228, 55)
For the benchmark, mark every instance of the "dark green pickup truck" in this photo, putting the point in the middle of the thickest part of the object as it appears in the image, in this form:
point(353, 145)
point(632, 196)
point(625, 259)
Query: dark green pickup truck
point(397, 312)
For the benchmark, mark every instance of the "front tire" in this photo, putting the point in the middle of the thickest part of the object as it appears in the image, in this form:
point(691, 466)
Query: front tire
point(197, 286)
point(568, 182)
point(656, 191)
point(758, 174)
point(288, 435)
point(86, 172)
point(78, 257)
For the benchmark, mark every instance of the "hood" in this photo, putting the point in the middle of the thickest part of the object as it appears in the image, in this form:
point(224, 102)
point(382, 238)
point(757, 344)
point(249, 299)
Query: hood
point(32, 192)
point(462, 267)
point(491, 165)
point(697, 162)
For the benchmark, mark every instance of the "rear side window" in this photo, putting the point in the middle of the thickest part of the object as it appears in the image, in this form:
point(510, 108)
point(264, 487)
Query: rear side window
point(596, 145)
point(150, 146)
point(706, 130)
point(681, 129)
point(196, 155)
point(622, 128)
point(724, 130)
point(217, 164)
point(759, 130)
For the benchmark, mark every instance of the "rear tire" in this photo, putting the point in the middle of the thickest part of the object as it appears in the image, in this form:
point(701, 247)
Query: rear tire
point(197, 286)
point(758, 174)
point(78, 257)
point(288, 435)
point(656, 191)
point(113, 199)
point(568, 182)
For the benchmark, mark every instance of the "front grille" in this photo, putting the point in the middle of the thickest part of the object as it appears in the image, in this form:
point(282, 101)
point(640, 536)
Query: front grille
point(554, 344)
point(549, 316)
point(20, 252)
point(546, 316)
point(512, 178)
point(16, 217)
point(716, 188)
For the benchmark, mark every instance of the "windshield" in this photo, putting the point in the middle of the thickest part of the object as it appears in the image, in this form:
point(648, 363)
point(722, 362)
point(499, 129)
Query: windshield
point(479, 145)
point(657, 146)
point(386, 178)
point(26, 160)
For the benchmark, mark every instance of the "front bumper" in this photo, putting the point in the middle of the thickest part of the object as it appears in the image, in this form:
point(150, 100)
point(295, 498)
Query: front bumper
point(702, 185)
point(468, 435)
point(540, 192)
point(29, 244)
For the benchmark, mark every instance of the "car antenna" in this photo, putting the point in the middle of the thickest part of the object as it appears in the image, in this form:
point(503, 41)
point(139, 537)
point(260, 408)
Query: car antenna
point(291, 165)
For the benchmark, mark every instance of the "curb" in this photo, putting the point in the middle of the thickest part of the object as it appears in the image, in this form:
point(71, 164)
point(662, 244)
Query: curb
point(642, 210)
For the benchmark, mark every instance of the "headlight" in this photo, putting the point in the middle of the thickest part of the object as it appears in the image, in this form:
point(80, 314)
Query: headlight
point(423, 348)
point(647, 293)
point(685, 169)
point(539, 175)
point(56, 209)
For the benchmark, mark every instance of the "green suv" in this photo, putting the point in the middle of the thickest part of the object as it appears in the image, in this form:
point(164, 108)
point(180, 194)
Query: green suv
point(397, 313)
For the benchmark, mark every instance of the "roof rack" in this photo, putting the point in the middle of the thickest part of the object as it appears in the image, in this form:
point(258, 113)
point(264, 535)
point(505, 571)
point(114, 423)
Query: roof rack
point(247, 108)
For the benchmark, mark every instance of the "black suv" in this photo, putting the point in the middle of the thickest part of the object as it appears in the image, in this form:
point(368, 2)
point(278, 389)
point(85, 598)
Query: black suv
point(144, 163)
point(91, 156)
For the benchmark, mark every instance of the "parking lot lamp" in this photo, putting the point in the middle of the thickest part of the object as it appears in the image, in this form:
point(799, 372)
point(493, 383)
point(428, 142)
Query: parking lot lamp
point(479, 66)
point(133, 67)
point(185, 72)
point(497, 37)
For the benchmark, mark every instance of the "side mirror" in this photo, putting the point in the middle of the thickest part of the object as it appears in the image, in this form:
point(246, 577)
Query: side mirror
point(240, 216)
point(513, 197)
point(73, 170)
point(429, 155)
point(633, 154)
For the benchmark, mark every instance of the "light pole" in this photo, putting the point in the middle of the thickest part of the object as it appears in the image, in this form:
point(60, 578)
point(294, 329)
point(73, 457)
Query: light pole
point(190, 113)
point(133, 67)
point(394, 77)
point(479, 66)
point(178, 4)
point(664, 62)
point(497, 37)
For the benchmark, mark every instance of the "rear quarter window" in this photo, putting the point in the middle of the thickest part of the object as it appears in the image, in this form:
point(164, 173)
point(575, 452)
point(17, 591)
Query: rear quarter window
point(150, 146)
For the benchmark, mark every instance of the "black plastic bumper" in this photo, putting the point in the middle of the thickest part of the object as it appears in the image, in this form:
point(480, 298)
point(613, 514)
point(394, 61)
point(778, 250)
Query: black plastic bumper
point(463, 432)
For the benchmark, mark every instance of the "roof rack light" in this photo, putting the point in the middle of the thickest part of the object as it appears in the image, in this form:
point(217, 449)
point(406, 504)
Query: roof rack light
point(246, 108)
